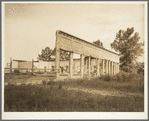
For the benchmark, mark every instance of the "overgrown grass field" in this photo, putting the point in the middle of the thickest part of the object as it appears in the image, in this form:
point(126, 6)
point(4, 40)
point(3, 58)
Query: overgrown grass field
point(52, 96)
point(40, 98)
point(127, 82)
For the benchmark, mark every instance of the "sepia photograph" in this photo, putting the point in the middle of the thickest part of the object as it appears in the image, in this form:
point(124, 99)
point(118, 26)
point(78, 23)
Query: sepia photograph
point(74, 60)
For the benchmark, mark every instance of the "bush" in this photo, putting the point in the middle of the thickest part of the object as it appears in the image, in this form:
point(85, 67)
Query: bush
point(60, 86)
point(16, 71)
point(106, 78)
point(140, 71)
point(44, 82)
point(127, 77)
point(51, 83)
point(118, 78)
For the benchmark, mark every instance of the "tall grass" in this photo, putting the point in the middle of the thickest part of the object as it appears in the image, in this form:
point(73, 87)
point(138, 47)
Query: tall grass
point(128, 82)
point(41, 98)
point(123, 77)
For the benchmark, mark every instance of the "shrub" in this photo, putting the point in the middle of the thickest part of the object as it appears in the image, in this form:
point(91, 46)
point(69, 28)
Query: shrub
point(60, 86)
point(118, 78)
point(16, 71)
point(44, 82)
point(106, 78)
point(51, 83)
point(125, 77)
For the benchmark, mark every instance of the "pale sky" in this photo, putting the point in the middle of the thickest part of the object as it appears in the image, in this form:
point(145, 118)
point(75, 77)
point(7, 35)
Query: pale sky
point(29, 28)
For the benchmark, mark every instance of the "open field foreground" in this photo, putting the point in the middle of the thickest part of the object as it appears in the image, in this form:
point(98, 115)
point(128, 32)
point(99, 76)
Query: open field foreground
point(81, 95)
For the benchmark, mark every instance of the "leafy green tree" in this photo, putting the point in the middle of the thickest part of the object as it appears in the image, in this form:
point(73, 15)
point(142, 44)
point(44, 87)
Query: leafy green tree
point(45, 54)
point(98, 43)
point(128, 46)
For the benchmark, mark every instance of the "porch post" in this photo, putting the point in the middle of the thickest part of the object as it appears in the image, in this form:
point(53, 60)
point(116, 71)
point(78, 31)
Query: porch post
point(109, 67)
point(82, 65)
point(10, 65)
point(118, 67)
point(103, 66)
point(32, 65)
point(106, 66)
point(114, 68)
point(71, 64)
point(89, 65)
point(97, 66)
point(57, 57)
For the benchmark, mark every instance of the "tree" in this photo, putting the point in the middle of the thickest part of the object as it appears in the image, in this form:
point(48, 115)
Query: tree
point(45, 54)
point(48, 54)
point(64, 55)
point(98, 43)
point(128, 46)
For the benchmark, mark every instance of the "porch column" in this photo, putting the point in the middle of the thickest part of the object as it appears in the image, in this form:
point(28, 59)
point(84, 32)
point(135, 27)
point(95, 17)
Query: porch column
point(32, 65)
point(10, 65)
point(57, 57)
point(103, 66)
point(71, 64)
point(57, 62)
point(114, 68)
point(89, 65)
point(85, 65)
point(118, 67)
point(106, 66)
point(98, 67)
point(82, 65)
point(109, 68)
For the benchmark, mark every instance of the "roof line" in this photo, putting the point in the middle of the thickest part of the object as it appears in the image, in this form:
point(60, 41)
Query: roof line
point(20, 60)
